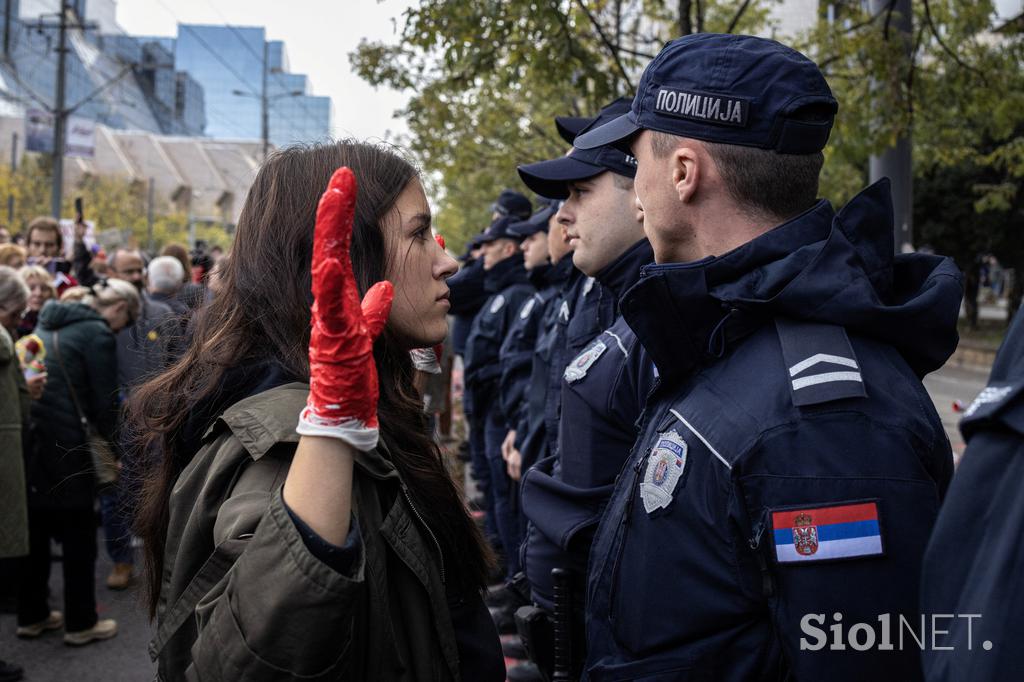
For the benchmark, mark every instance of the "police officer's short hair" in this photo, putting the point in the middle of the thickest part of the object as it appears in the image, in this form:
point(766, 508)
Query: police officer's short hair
point(778, 186)
point(622, 182)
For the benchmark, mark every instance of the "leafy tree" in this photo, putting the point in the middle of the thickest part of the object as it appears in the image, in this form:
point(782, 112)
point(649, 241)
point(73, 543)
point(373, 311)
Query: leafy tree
point(487, 78)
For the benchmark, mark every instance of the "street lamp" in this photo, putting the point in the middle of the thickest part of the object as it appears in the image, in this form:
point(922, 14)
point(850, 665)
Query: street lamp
point(265, 101)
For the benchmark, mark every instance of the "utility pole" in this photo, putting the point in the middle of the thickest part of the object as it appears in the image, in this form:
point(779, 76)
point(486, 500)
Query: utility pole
point(149, 216)
point(60, 114)
point(265, 103)
point(14, 169)
point(895, 162)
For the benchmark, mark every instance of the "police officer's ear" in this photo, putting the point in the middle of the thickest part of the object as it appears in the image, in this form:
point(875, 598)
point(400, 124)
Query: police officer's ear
point(688, 166)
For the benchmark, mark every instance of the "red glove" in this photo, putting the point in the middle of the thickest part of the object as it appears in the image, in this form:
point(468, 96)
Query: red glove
point(343, 388)
point(440, 240)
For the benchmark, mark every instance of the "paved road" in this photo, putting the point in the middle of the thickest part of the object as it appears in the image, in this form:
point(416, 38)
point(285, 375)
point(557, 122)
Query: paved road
point(124, 658)
point(120, 659)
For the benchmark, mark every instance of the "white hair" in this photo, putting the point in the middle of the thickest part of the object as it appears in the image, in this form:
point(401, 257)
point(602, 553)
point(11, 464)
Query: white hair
point(166, 274)
point(13, 290)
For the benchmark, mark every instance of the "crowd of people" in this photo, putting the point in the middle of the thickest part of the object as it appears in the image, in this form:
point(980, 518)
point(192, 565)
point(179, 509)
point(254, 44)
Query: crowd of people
point(77, 334)
point(697, 427)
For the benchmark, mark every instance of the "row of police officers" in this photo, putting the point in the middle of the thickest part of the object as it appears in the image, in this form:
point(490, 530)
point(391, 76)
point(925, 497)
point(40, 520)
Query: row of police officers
point(695, 401)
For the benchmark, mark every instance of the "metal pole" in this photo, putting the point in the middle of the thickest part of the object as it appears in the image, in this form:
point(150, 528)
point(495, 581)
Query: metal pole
point(59, 115)
point(896, 162)
point(191, 221)
point(264, 103)
point(7, 27)
point(149, 217)
point(14, 169)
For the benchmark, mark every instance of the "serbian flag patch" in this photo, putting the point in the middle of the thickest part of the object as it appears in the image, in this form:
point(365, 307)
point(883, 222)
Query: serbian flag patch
point(846, 530)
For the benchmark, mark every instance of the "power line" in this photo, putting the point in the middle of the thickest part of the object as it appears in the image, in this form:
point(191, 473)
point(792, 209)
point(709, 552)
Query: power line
point(209, 49)
point(277, 75)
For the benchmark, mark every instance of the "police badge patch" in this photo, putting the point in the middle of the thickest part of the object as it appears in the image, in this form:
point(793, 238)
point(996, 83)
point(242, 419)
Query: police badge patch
point(497, 303)
point(524, 312)
point(665, 466)
point(578, 368)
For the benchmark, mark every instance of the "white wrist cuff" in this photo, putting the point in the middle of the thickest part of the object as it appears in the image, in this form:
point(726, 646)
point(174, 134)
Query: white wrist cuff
point(352, 431)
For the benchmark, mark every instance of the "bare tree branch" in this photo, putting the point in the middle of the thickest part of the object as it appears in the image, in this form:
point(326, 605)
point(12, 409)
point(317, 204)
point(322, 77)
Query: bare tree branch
point(739, 15)
point(700, 16)
point(942, 44)
point(607, 43)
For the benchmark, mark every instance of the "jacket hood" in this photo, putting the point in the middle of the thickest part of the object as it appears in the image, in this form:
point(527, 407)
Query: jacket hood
point(818, 267)
point(505, 273)
point(56, 315)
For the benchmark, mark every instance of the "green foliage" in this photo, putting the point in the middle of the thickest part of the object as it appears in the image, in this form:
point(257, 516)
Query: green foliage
point(488, 77)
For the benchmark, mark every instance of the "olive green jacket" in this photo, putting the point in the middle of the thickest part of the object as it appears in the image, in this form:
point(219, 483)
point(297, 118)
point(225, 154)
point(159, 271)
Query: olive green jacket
point(13, 410)
point(279, 613)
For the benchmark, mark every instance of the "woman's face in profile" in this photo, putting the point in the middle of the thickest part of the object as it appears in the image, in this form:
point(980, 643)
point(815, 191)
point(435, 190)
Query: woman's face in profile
point(418, 268)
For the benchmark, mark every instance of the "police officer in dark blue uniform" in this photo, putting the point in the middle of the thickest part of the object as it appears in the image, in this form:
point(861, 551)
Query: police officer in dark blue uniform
point(604, 386)
point(974, 562)
point(517, 349)
point(506, 281)
point(587, 307)
point(790, 464)
point(467, 296)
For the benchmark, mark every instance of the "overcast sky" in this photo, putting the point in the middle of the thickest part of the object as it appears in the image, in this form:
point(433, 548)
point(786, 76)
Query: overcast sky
point(318, 35)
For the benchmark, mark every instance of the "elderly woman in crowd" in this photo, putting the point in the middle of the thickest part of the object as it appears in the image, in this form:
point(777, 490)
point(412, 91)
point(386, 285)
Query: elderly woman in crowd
point(41, 289)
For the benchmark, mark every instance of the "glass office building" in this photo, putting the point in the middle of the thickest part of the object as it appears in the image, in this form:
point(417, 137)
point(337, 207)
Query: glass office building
point(226, 60)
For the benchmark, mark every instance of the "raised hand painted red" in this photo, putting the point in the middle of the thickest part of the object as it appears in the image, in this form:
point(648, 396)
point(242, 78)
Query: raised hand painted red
point(343, 387)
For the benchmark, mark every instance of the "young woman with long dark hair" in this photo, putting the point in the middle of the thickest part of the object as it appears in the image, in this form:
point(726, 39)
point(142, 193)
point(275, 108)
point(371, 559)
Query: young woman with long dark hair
point(323, 551)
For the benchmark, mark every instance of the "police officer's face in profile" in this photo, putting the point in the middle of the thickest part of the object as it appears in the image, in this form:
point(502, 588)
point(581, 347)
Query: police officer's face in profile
point(601, 220)
point(535, 250)
point(497, 251)
point(666, 215)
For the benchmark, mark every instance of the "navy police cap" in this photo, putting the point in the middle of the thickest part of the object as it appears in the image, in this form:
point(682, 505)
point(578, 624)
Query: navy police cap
point(570, 126)
point(550, 178)
point(512, 203)
point(538, 222)
point(499, 230)
point(732, 89)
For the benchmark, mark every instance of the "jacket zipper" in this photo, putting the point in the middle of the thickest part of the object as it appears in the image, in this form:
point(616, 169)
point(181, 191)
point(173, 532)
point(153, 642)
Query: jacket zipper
point(416, 512)
point(767, 584)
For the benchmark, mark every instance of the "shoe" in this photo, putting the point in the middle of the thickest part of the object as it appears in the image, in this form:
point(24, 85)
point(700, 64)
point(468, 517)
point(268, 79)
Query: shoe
point(498, 596)
point(54, 621)
point(10, 672)
point(104, 629)
point(120, 577)
point(524, 672)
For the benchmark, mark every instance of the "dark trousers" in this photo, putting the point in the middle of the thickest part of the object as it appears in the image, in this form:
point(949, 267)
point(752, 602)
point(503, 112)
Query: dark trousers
point(481, 469)
point(505, 493)
point(116, 526)
point(75, 530)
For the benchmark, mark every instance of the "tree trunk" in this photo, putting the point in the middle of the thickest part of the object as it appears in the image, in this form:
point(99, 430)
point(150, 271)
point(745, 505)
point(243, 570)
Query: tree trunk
point(685, 22)
point(972, 285)
point(1016, 293)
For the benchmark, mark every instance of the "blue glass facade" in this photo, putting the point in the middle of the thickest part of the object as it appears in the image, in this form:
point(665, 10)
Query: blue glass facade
point(225, 60)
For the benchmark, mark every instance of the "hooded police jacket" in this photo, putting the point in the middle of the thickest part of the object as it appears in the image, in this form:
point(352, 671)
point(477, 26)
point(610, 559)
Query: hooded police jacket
point(790, 463)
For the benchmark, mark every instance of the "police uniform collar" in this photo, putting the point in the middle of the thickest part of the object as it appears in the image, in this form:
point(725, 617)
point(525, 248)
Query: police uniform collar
point(505, 273)
point(689, 314)
point(560, 272)
point(538, 276)
point(624, 271)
